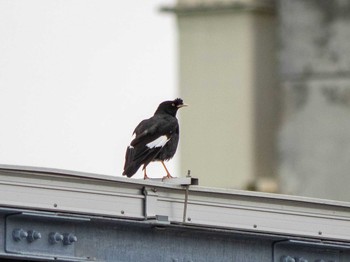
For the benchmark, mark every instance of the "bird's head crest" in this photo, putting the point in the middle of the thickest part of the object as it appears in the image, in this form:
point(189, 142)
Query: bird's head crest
point(178, 102)
point(170, 107)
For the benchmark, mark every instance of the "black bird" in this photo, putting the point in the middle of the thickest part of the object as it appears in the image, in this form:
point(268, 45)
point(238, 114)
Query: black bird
point(155, 139)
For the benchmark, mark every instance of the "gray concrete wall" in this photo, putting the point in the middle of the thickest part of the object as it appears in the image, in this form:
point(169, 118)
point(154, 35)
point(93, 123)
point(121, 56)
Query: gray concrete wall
point(227, 75)
point(216, 80)
point(314, 139)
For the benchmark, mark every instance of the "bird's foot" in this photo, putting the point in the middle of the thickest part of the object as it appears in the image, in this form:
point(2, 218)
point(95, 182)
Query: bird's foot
point(145, 177)
point(168, 176)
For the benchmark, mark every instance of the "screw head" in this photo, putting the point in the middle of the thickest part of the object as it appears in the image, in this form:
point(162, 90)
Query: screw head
point(69, 239)
point(287, 259)
point(19, 234)
point(55, 237)
point(33, 235)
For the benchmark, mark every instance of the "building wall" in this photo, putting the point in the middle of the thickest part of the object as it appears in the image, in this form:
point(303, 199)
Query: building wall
point(251, 120)
point(228, 77)
point(314, 140)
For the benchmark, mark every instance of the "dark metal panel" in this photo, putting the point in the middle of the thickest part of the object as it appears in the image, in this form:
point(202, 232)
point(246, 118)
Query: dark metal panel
point(123, 242)
point(102, 239)
point(308, 251)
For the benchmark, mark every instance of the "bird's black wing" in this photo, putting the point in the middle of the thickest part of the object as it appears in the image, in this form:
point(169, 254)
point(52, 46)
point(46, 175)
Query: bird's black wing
point(150, 137)
point(152, 134)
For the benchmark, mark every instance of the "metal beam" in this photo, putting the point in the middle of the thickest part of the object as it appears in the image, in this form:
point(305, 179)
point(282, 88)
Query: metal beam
point(84, 217)
point(82, 193)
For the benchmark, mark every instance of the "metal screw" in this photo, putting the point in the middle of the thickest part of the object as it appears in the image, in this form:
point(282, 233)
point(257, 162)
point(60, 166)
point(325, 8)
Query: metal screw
point(189, 219)
point(55, 237)
point(19, 234)
point(33, 235)
point(287, 259)
point(122, 212)
point(54, 205)
point(320, 232)
point(255, 226)
point(69, 239)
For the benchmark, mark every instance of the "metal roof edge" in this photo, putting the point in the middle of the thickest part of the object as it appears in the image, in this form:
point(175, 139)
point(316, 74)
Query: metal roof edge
point(175, 183)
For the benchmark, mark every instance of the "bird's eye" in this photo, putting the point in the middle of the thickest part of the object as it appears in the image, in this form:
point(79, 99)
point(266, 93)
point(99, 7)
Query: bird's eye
point(173, 104)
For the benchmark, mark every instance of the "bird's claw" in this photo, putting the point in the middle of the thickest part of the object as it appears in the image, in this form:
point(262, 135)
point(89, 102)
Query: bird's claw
point(168, 176)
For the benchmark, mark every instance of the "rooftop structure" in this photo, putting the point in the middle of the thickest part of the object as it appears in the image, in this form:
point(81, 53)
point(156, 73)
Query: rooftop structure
point(48, 214)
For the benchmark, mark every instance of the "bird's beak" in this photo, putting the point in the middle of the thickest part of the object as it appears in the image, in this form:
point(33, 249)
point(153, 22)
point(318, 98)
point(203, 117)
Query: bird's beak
point(183, 105)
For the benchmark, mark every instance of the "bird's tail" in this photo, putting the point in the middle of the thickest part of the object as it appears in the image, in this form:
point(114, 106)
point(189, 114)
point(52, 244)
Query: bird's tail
point(130, 166)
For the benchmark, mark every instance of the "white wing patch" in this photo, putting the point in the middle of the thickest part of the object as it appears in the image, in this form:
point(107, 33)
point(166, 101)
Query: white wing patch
point(159, 142)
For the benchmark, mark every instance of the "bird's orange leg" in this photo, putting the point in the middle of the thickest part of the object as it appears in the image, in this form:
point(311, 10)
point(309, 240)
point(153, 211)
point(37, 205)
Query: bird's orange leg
point(144, 174)
point(167, 172)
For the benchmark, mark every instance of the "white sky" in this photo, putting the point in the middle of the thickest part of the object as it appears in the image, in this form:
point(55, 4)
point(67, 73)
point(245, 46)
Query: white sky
point(76, 77)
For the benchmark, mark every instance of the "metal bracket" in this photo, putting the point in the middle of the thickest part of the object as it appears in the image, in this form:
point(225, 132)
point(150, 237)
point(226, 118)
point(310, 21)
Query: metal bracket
point(185, 204)
point(179, 181)
point(150, 204)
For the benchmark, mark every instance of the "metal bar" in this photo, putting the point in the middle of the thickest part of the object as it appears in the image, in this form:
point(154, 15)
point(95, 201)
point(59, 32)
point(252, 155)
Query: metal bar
point(207, 207)
point(185, 205)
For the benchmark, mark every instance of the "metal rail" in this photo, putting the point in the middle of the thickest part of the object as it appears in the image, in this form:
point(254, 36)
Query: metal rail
point(84, 193)
point(34, 195)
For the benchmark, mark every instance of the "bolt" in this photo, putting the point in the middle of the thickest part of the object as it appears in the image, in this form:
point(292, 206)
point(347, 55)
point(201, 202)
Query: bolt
point(33, 235)
point(255, 226)
point(287, 259)
point(122, 212)
point(189, 219)
point(69, 239)
point(19, 234)
point(320, 232)
point(55, 237)
point(55, 205)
